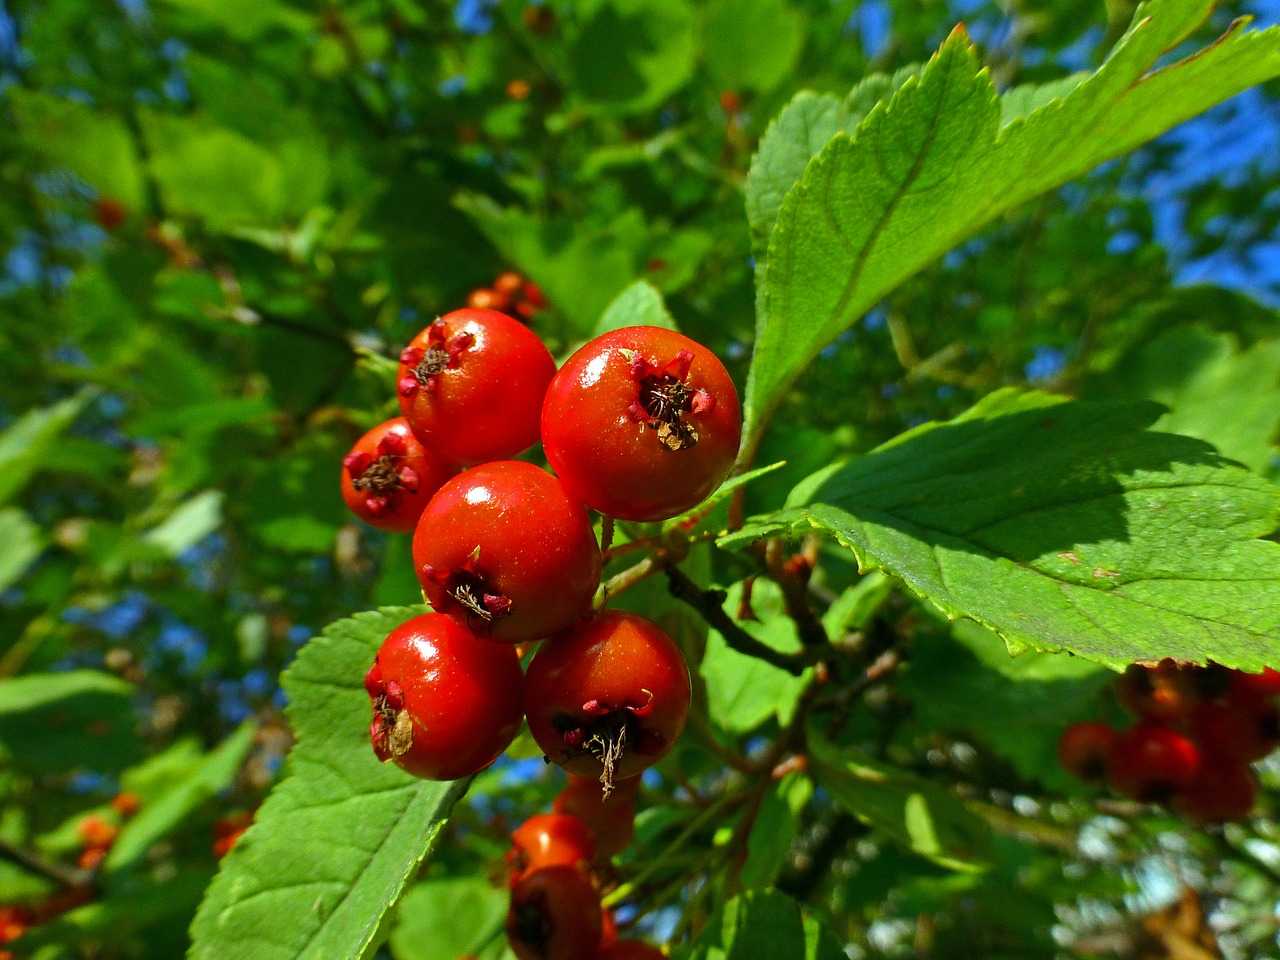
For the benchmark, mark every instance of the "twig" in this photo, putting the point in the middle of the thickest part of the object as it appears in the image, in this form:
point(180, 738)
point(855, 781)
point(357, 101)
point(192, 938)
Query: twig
point(793, 578)
point(49, 869)
point(710, 604)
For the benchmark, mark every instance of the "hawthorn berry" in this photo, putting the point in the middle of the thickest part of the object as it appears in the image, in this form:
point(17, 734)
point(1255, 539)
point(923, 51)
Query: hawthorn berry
point(126, 804)
point(1084, 748)
point(109, 213)
point(630, 950)
point(445, 701)
point(1263, 686)
point(641, 423)
point(549, 840)
point(1151, 762)
point(471, 384)
point(389, 476)
point(96, 832)
point(607, 698)
point(554, 915)
point(1225, 789)
point(509, 283)
point(1244, 730)
point(503, 548)
point(482, 298)
point(1165, 692)
point(611, 820)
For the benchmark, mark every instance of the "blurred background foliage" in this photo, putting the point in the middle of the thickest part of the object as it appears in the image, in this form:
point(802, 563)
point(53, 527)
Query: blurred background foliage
point(219, 217)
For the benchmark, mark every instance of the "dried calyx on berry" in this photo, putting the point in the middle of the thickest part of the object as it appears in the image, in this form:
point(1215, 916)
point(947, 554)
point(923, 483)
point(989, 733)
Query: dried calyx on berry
point(441, 353)
point(605, 732)
point(391, 731)
point(466, 591)
point(382, 475)
point(665, 398)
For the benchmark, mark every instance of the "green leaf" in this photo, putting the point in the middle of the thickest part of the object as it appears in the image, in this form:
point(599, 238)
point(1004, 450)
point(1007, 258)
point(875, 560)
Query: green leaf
point(742, 691)
point(242, 19)
point(22, 544)
point(24, 442)
point(721, 493)
point(53, 722)
point(930, 169)
point(764, 925)
point(774, 830)
point(968, 685)
point(633, 54)
point(1064, 526)
point(90, 143)
point(429, 915)
point(638, 305)
point(1219, 394)
point(190, 523)
point(854, 608)
point(166, 812)
point(919, 815)
point(335, 843)
point(769, 29)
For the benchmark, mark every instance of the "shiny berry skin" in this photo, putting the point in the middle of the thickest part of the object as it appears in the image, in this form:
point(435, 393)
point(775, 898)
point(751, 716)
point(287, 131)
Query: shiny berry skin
point(1151, 763)
point(630, 950)
point(607, 698)
point(389, 476)
point(1244, 730)
point(445, 701)
point(610, 821)
point(549, 840)
point(471, 385)
point(1084, 748)
point(554, 915)
point(641, 423)
point(1224, 790)
point(503, 548)
point(1166, 692)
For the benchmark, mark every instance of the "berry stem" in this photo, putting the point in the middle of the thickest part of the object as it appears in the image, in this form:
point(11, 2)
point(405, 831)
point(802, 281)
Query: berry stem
point(49, 869)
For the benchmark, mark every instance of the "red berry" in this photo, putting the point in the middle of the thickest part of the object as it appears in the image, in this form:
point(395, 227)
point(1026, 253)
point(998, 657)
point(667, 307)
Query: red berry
point(554, 915)
point(1225, 789)
point(611, 820)
point(608, 697)
point(110, 214)
point(471, 385)
point(389, 476)
point(641, 423)
point(1151, 762)
point(445, 702)
point(1166, 692)
point(486, 299)
point(91, 857)
point(1245, 730)
point(1084, 749)
point(631, 950)
point(96, 832)
point(126, 804)
point(549, 840)
point(730, 102)
point(1262, 685)
point(533, 295)
point(508, 283)
point(503, 547)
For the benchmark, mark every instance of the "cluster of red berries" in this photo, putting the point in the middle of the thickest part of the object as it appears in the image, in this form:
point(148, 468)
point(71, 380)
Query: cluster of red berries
point(1198, 730)
point(17, 919)
point(555, 868)
point(98, 834)
point(640, 424)
point(510, 292)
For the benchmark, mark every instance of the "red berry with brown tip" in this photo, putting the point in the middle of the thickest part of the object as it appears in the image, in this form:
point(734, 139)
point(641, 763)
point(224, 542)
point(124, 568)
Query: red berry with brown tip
point(607, 698)
point(471, 385)
point(389, 476)
point(1165, 692)
point(549, 840)
point(503, 548)
point(642, 423)
point(445, 701)
point(611, 820)
point(1224, 790)
point(554, 915)
point(1152, 762)
point(630, 950)
point(1084, 748)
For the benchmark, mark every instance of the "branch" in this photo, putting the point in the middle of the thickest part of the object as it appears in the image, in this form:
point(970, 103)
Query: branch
point(59, 873)
point(710, 604)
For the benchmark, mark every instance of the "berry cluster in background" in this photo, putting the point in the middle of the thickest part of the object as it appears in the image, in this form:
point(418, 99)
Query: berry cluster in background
point(510, 293)
point(640, 424)
point(1198, 730)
